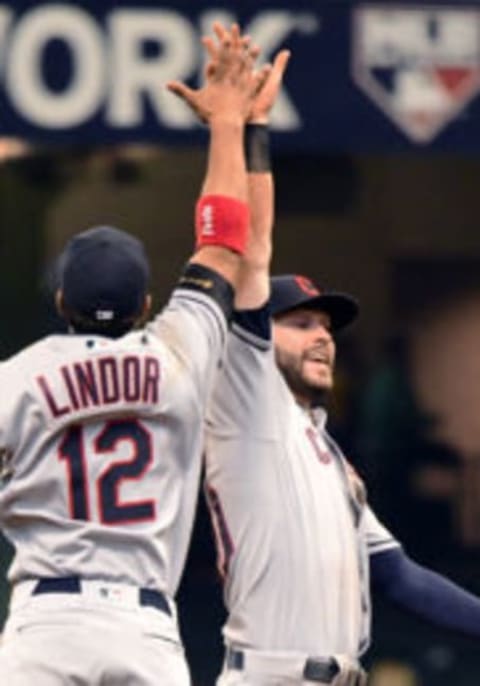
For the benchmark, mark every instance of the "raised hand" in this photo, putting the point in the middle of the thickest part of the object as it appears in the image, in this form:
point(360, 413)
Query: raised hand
point(269, 77)
point(231, 82)
point(269, 88)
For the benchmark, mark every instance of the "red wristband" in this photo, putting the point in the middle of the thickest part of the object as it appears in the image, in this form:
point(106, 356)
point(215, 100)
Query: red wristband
point(222, 220)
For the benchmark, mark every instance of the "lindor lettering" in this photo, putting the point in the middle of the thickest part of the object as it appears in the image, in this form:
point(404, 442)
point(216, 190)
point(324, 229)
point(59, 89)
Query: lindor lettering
point(104, 381)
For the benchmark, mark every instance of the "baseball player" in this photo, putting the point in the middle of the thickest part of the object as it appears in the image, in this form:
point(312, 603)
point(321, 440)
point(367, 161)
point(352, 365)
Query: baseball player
point(101, 432)
point(297, 542)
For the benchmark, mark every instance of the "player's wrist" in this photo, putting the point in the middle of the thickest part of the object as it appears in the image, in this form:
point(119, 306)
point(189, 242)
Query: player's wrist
point(222, 220)
point(257, 148)
point(259, 118)
point(226, 121)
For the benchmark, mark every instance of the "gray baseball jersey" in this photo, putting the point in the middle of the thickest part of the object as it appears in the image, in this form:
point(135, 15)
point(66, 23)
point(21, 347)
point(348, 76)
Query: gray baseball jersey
point(101, 445)
point(292, 526)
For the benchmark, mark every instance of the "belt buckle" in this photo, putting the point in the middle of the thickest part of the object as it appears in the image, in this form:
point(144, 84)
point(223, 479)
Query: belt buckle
point(322, 670)
point(235, 659)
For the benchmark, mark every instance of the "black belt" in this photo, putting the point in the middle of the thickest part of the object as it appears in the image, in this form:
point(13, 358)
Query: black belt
point(73, 584)
point(315, 669)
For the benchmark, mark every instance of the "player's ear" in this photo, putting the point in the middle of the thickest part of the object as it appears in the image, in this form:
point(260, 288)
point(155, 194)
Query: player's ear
point(59, 302)
point(147, 306)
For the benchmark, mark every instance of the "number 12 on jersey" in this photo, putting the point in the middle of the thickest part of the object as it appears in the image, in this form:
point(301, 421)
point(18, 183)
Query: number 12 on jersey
point(111, 509)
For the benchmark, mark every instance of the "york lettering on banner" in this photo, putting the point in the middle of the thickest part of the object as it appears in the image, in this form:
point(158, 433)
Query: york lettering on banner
point(62, 66)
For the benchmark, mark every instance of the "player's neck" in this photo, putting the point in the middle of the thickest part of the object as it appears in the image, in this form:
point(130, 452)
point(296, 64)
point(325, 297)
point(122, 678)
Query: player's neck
point(312, 400)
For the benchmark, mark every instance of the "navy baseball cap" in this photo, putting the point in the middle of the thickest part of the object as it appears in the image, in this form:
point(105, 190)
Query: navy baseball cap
point(104, 275)
point(291, 291)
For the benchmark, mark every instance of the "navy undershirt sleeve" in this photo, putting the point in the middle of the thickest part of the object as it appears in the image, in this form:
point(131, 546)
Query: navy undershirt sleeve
point(424, 592)
point(256, 322)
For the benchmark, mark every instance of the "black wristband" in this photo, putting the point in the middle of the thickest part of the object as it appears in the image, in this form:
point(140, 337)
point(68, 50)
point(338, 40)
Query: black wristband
point(197, 277)
point(257, 148)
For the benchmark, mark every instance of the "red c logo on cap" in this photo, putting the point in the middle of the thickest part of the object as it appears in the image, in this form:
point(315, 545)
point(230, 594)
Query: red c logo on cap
point(306, 285)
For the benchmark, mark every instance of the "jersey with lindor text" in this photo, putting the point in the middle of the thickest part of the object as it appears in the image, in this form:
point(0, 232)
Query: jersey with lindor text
point(292, 527)
point(101, 444)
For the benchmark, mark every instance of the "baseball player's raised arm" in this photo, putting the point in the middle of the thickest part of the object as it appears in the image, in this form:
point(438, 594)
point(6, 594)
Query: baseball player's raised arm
point(197, 314)
point(224, 103)
point(253, 279)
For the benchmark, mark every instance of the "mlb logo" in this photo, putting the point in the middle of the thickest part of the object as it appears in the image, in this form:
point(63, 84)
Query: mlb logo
point(420, 65)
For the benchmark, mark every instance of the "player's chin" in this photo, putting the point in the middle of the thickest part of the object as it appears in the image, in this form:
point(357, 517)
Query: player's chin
point(320, 379)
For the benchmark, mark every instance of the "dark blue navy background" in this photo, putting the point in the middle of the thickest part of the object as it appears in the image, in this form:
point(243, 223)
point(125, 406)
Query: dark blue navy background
point(336, 115)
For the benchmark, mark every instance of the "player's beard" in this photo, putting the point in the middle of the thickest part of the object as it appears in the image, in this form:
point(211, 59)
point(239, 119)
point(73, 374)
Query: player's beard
point(314, 394)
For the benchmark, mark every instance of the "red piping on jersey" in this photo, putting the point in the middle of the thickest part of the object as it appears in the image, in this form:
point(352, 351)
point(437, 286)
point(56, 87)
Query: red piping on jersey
point(223, 538)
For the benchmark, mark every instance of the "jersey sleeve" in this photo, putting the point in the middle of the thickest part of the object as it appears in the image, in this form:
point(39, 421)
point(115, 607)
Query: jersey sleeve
point(193, 325)
point(378, 537)
point(11, 406)
point(12, 418)
point(243, 399)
